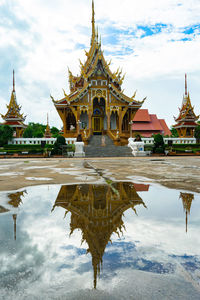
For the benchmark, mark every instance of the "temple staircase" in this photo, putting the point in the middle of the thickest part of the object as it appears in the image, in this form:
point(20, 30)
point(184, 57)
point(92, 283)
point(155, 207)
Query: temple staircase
point(95, 148)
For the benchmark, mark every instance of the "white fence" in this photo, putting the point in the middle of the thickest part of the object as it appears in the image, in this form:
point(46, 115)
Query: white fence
point(51, 141)
point(38, 141)
point(149, 141)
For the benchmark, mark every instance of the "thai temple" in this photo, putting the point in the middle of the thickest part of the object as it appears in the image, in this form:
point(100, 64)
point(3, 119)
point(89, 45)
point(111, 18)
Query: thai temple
point(97, 211)
point(13, 117)
point(186, 120)
point(148, 124)
point(96, 103)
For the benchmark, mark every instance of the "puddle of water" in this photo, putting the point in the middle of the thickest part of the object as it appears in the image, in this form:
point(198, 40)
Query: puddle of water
point(55, 242)
point(39, 178)
point(11, 174)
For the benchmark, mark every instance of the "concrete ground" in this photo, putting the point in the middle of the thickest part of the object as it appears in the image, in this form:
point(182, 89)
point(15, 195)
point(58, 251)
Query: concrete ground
point(172, 172)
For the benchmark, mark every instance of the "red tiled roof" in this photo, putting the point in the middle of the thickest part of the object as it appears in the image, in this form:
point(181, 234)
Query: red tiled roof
point(155, 123)
point(165, 127)
point(186, 124)
point(148, 134)
point(153, 126)
point(12, 123)
point(142, 115)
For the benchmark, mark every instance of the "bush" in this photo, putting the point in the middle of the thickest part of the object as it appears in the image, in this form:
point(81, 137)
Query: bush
point(197, 133)
point(57, 149)
point(159, 145)
point(6, 133)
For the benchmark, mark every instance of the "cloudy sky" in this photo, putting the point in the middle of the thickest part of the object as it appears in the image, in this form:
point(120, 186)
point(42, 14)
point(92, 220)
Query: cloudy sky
point(155, 42)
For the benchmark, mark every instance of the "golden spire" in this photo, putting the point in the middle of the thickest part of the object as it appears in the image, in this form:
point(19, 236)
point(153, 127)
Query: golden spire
point(15, 226)
point(13, 80)
point(47, 133)
point(185, 84)
point(93, 23)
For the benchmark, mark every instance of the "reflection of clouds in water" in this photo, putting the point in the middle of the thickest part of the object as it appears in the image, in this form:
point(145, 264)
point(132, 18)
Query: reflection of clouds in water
point(20, 260)
point(51, 263)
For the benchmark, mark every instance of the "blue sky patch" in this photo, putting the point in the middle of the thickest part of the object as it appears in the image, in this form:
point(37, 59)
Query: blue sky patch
point(150, 30)
point(9, 20)
point(191, 29)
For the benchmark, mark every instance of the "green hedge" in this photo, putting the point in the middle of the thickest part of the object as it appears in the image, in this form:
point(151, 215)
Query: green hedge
point(32, 149)
point(186, 146)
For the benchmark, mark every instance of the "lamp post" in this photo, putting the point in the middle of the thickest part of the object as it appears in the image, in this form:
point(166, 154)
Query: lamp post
point(131, 123)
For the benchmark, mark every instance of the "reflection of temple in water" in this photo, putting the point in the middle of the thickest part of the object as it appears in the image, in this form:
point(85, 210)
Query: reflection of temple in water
point(15, 199)
point(187, 199)
point(97, 211)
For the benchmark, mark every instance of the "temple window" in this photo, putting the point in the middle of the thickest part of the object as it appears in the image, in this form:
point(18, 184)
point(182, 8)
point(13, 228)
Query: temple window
point(94, 82)
point(98, 82)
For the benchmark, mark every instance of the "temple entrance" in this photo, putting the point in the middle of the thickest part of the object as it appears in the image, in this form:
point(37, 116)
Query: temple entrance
point(97, 125)
point(98, 115)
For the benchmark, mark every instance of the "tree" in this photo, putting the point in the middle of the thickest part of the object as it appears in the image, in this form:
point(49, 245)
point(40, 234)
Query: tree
point(6, 134)
point(197, 134)
point(34, 130)
point(174, 132)
point(28, 132)
point(55, 132)
point(159, 145)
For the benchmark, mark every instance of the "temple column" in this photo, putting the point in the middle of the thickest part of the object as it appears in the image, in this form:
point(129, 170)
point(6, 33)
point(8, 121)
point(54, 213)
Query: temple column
point(120, 120)
point(78, 120)
point(64, 119)
point(108, 119)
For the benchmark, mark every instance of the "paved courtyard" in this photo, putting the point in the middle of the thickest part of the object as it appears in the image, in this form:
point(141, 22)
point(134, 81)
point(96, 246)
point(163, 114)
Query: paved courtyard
point(172, 172)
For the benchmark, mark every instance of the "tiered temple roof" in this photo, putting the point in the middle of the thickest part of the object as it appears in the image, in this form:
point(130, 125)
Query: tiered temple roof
point(96, 81)
point(13, 117)
point(186, 120)
point(147, 124)
point(95, 62)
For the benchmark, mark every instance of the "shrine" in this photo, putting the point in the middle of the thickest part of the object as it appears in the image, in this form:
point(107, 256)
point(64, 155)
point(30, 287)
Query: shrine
point(96, 103)
point(47, 133)
point(13, 117)
point(186, 120)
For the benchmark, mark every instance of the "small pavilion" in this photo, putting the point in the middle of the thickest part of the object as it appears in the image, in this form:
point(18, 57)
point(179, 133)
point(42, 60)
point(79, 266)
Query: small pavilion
point(186, 120)
point(13, 117)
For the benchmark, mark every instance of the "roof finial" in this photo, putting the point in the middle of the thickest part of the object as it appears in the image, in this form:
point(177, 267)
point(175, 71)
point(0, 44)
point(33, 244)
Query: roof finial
point(93, 21)
point(185, 84)
point(13, 80)
point(47, 119)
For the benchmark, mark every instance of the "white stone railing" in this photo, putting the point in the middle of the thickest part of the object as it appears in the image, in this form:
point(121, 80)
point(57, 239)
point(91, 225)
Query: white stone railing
point(149, 141)
point(38, 141)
